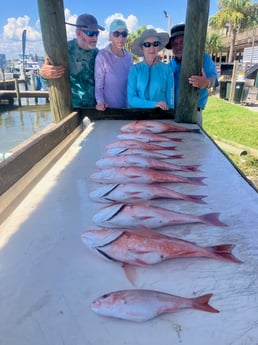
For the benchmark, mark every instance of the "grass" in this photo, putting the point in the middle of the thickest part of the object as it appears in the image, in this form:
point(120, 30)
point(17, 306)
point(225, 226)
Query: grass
point(234, 123)
point(223, 120)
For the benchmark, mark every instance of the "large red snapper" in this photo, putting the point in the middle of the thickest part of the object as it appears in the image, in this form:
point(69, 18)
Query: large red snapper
point(138, 145)
point(144, 248)
point(141, 175)
point(142, 162)
point(121, 151)
point(132, 193)
point(154, 126)
point(145, 216)
point(147, 137)
point(142, 305)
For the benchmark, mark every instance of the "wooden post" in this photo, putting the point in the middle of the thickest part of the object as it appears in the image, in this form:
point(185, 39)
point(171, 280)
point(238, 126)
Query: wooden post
point(17, 89)
point(233, 82)
point(51, 13)
point(194, 43)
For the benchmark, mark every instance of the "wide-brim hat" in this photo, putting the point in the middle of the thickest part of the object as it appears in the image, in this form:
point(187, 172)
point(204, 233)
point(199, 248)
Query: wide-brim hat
point(87, 22)
point(162, 37)
point(177, 30)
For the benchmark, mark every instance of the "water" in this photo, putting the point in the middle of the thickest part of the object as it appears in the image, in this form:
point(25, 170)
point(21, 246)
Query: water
point(20, 123)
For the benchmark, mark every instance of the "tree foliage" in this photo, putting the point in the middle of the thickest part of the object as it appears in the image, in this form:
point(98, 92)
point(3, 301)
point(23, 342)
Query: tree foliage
point(234, 15)
point(132, 37)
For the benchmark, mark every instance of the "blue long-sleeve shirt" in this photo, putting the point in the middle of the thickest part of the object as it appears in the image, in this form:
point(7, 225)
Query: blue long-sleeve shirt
point(148, 85)
point(210, 71)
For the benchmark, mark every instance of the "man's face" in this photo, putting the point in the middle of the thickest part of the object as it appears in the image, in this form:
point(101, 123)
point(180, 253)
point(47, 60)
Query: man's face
point(178, 45)
point(87, 41)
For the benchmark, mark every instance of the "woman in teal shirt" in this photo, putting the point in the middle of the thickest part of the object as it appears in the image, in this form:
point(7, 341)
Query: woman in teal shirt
point(150, 82)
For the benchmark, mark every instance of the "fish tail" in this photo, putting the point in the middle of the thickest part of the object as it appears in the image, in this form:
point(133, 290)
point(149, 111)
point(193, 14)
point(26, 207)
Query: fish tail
point(202, 303)
point(196, 180)
point(212, 219)
point(169, 148)
point(176, 156)
point(193, 168)
point(224, 252)
point(196, 199)
point(177, 139)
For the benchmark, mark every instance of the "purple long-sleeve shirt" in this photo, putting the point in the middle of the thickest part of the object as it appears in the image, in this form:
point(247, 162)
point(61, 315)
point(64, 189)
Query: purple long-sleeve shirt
point(111, 74)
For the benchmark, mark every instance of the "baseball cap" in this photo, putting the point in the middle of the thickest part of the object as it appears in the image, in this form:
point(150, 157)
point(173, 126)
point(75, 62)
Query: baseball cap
point(117, 24)
point(87, 22)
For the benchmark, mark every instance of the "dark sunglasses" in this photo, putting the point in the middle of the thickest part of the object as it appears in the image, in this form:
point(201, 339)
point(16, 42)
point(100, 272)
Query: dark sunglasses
point(149, 44)
point(118, 33)
point(91, 33)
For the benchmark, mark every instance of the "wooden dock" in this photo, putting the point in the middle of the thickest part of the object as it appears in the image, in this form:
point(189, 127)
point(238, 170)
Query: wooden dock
point(10, 95)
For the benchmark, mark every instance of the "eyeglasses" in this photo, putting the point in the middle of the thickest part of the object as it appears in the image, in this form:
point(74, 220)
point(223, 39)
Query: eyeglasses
point(120, 33)
point(149, 44)
point(91, 33)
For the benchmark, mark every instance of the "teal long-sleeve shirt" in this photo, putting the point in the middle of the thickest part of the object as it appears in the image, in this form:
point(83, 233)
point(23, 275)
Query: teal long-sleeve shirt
point(150, 84)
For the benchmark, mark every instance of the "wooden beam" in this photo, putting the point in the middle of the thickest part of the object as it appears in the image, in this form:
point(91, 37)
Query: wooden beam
point(51, 13)
point(194, 43)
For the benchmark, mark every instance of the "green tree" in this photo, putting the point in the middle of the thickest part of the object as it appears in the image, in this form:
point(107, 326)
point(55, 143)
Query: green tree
point(132, 37)
point(235, 15)
point(213, 44)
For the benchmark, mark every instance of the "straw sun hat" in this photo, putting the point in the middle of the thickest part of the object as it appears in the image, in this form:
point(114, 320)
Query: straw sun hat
point(162, 37)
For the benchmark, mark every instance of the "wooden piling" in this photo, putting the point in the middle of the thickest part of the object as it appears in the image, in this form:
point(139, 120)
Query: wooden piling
point(194, 44)
point(54, 37)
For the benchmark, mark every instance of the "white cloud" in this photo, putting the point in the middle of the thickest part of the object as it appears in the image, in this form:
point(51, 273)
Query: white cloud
point(12, 33)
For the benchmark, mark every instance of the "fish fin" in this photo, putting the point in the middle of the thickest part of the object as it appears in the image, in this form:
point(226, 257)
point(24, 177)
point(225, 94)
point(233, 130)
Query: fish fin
point(130, 272)
point(196, 180)
point(193, 168)
point(176, 156)
point(177, 139)
point(170, 148)
point(197, 199)
point(224, 252)
point(201, 303)
point(212, 219)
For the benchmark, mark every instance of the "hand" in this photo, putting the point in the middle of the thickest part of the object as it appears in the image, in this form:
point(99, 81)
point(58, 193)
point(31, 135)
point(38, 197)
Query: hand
point(162, 105)
point(101, 106)
point(200, 81)
point(49, 71)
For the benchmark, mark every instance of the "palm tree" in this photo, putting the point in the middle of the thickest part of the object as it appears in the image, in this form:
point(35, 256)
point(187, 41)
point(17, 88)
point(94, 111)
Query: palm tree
point(213, 44)
point(132, 37)
point(233, 14)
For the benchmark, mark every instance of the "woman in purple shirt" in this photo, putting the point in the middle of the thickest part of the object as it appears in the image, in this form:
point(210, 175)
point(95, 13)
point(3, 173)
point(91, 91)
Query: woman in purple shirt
point(112, 66)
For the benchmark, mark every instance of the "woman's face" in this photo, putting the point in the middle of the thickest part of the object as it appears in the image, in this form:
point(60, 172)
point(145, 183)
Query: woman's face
point(118, 38)
point(150, 47)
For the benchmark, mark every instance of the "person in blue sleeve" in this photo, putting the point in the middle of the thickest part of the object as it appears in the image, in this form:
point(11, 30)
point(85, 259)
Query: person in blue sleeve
point(204, 81)
point(150, 82)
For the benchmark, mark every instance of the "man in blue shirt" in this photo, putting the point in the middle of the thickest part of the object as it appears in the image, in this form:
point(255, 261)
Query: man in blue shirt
point(204, 81)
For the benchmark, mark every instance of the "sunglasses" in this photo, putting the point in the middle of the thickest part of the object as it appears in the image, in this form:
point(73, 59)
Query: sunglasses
point(91, 33)
point(120, 33)
point(149, 44)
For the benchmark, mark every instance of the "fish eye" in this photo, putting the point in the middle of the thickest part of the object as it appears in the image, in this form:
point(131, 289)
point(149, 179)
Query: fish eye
point(105, 296)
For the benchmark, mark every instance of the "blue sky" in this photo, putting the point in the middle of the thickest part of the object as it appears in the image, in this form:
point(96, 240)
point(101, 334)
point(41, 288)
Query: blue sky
point(19, 15)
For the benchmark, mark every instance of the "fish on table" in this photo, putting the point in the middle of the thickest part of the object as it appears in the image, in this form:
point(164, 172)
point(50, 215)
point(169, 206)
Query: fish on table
point(142, 305)
point(132, 193)
point(154, 126)
point(121, 151)
point(141, 175)
point(147, 137)
point(146, 248)
point(142, 162)
point(136, 144)
point(135, 216)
